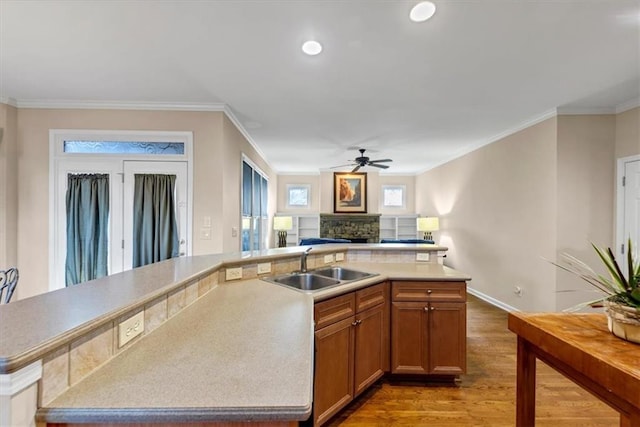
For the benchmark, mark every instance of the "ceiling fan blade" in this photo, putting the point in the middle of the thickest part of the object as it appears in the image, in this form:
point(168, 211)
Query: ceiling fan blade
point(380, 161)
point(355, 169)
point(341, 166)
point(379, 166)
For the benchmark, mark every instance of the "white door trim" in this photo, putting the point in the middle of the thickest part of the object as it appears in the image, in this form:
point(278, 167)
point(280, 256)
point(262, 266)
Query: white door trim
point(57, 156)
point(620, 239)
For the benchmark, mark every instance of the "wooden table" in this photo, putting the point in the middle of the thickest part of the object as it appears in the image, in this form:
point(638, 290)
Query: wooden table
point(580, 347)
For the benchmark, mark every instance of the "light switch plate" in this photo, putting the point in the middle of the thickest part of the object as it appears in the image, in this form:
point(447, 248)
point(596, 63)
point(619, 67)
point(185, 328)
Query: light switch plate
point(130, 328)
point(422, 256)
point(328, 259)
point(205, 233)
point(264, 267)
point(234, 273)
point(340, 256)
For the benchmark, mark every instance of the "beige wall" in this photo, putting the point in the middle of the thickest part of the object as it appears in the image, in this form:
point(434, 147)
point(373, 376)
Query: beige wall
point(509, 206)
point(235, 144)
point(497, 215)
point(586, 188)
point(216, 168)
point(313, 181)
point(8, 187)
point(628, 133)
point(410, 194)
point(322, 192)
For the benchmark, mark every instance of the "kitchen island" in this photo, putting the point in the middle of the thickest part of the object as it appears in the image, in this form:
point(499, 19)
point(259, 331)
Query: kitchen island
point(233, 351)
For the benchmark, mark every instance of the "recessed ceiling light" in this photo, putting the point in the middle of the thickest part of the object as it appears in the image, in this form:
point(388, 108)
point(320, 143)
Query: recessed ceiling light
point(422, 11)
point(312, 47)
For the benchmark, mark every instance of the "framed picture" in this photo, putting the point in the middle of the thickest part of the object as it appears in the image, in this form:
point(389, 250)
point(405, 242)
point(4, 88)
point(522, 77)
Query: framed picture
point(349, 192)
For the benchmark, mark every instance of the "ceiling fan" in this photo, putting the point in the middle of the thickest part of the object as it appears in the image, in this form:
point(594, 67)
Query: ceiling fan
point(363, 161)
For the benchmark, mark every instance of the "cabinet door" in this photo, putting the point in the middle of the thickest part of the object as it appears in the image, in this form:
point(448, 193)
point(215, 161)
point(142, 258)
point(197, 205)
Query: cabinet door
point(369, 347)
point(447, 338)
point(409, 337)
point(333, 382)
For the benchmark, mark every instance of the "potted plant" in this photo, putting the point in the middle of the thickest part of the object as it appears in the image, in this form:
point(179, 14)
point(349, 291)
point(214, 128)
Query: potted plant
point(621, 292)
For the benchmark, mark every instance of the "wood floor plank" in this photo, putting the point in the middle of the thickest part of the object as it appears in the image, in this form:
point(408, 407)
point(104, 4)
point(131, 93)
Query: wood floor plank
point(485, 396)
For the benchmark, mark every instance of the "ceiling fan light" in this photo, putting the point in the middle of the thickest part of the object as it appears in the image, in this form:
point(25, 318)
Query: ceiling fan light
point(422, 11)
point(311, 47)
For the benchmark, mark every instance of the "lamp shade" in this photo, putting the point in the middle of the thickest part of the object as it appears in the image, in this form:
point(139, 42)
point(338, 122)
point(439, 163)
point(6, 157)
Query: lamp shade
point(430, 223)
point(282, 223)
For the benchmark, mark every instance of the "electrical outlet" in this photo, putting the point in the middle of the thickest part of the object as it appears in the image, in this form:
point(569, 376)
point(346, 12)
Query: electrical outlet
point(234, 273)
point(264, 267)
point(340, 256)
point(130, 328)
point(328, 259)
point(422, 256)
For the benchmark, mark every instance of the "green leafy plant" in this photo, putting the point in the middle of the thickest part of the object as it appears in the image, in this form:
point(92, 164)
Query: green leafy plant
point(620, 288)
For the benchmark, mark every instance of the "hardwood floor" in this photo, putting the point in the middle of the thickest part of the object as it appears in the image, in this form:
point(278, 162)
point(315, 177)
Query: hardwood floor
point(485, 396)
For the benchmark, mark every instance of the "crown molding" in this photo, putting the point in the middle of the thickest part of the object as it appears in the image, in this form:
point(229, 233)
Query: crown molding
point(232, 117)
point(118, 105)
point(474, 146)
point(588, 111)
point(130, 105)
point(626, 106)
point(8, 101)
point(301, 173)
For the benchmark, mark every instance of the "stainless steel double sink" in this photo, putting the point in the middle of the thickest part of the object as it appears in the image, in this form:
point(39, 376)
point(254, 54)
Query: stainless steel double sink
point(322, 278)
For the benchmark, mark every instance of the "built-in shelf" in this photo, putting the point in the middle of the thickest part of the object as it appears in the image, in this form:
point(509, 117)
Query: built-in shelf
point(303, 226)
point(391, 227)
point(398, 227)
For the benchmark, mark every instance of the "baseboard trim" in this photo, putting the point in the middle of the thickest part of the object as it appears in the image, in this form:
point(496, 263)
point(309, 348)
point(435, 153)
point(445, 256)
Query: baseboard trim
point(491, 300)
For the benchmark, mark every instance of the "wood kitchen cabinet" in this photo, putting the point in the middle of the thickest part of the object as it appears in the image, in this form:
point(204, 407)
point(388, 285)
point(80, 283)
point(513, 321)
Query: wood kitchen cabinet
point(428, 328)
point(352, 347)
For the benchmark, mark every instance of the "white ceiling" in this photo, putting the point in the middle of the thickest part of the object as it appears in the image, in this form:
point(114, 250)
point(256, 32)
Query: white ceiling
point(420, 94)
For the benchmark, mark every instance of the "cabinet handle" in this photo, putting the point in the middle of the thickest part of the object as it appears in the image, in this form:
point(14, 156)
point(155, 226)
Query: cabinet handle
point(426, 308)
point(354, 323)
point(429, 291)
point(432, 308)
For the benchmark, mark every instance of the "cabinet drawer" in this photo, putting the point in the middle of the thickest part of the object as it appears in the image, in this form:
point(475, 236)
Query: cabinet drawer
point(371, 296)
point(429, 291)
point(334, 309)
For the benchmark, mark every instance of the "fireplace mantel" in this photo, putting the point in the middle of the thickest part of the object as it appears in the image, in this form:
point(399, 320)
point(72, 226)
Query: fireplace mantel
point(351, 226)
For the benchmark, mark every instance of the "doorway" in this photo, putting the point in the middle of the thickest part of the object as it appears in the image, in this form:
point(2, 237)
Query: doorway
point(151, 157)
point(628, 206)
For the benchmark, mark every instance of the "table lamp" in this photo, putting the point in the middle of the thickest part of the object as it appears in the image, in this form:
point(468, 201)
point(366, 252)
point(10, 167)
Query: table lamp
point(281, 224)
point(427, 225)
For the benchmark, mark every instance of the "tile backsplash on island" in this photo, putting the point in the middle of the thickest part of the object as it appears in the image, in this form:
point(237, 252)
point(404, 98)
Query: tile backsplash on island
point(73, 361)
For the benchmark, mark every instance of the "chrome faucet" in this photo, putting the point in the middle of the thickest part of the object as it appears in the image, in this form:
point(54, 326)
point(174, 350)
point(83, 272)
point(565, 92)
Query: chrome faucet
point(303, 260)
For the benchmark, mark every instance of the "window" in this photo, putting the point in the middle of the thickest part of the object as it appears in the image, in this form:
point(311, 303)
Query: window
point(298, 195)
point(123, 147)
point(254, 207)
point(393, 196)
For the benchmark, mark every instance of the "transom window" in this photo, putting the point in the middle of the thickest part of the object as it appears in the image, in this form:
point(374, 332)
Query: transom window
point(123, 147)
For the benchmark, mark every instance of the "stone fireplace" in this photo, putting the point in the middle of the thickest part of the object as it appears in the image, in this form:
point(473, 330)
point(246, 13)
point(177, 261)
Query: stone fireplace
point(359, 228)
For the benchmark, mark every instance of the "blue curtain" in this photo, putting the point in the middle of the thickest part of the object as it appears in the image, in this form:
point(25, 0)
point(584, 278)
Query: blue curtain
point(155, 228)
point(87, 227)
